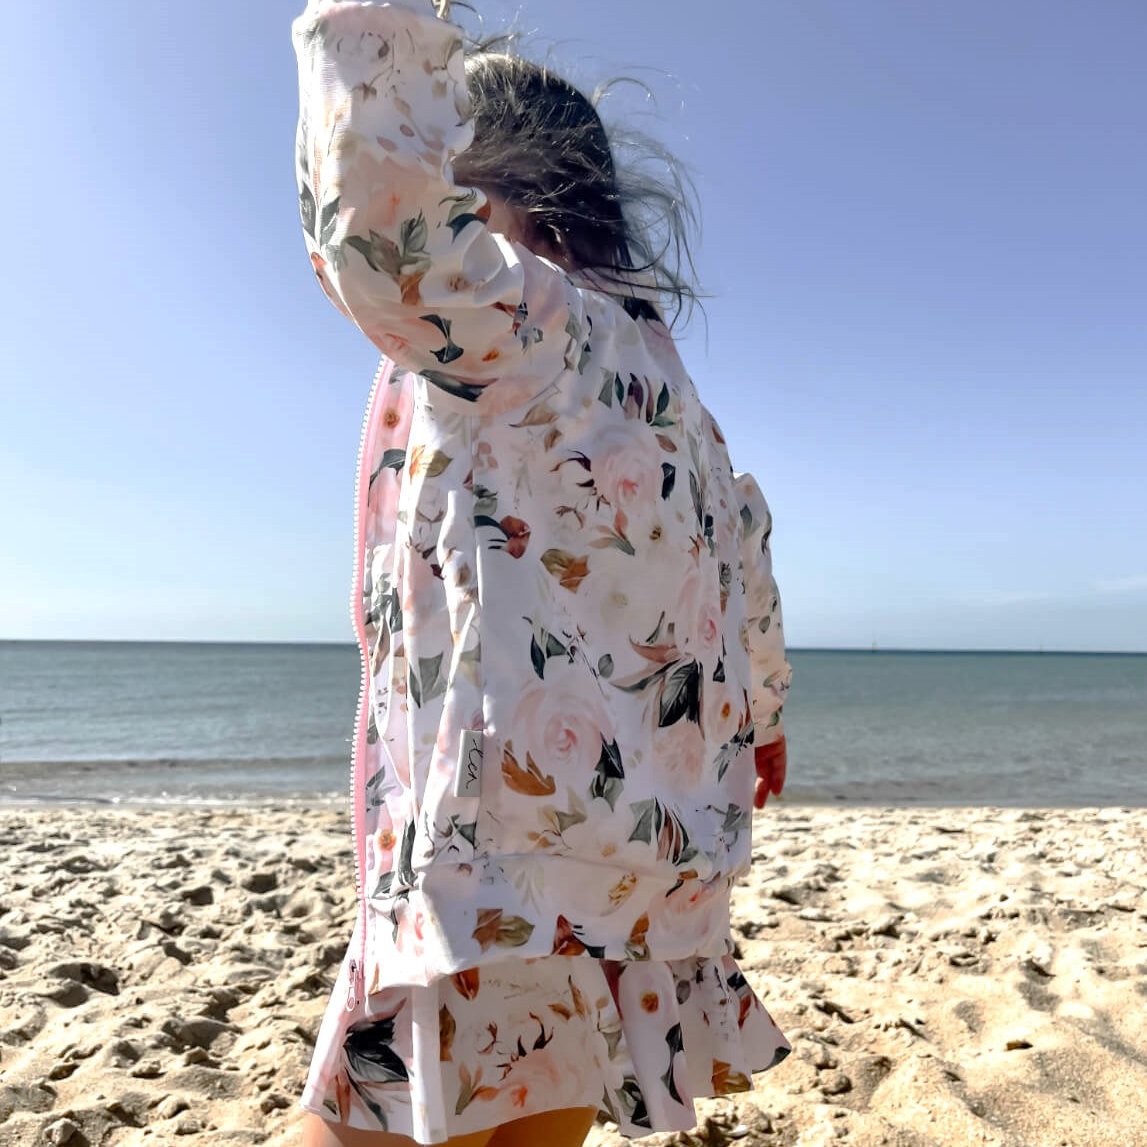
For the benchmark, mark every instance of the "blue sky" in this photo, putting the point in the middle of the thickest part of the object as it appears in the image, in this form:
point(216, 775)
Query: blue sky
point(925, 241)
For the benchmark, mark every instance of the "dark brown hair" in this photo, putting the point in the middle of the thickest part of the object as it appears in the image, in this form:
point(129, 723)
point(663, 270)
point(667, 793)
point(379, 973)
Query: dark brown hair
point(540, 144)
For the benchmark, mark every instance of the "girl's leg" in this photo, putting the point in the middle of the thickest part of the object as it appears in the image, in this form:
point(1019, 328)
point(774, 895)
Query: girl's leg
point(566, 1128)
point(319, 1133)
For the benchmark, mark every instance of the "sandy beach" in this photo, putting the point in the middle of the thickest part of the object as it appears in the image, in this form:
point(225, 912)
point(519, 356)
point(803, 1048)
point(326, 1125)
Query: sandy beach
point(947, 977)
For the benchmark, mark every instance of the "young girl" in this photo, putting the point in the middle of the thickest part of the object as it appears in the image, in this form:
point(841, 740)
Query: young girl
point(564, 599)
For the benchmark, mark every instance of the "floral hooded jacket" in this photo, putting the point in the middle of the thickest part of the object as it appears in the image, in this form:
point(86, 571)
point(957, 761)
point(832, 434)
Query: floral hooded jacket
point(570, 629)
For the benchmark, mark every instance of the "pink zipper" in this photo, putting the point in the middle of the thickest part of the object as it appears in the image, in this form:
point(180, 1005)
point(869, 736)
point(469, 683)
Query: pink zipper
point(357, 968)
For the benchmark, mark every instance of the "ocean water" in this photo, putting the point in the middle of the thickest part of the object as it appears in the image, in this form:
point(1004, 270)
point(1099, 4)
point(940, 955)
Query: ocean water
point(112, 721)
point(190, 723)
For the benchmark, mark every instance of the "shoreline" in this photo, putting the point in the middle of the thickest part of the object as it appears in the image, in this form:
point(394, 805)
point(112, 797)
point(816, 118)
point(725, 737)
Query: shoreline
point(334, 800)
point(946, 976)
point(349, 644)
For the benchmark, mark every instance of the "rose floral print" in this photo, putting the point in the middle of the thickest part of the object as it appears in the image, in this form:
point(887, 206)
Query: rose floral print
point(638, 1041)
point(571, 634)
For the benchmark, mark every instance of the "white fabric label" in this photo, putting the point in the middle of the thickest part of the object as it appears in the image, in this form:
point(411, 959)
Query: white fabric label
point(468, 775)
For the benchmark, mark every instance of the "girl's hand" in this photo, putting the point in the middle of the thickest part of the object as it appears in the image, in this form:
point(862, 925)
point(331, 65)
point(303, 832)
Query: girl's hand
point(772, 762)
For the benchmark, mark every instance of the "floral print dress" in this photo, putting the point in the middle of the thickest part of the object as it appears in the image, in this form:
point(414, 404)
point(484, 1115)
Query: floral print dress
point(571, 641)
point(637, 1041)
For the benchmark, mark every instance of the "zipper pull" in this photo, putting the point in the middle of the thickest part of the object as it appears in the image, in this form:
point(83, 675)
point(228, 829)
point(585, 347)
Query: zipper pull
point(352, 985)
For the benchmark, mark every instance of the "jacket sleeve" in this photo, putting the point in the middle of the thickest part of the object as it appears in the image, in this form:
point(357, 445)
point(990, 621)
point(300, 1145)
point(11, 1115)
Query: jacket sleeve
point(397, 246)
point(771, 671)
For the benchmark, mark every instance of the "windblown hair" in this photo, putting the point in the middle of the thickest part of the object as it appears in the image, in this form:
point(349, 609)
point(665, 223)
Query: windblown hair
point(540, 145)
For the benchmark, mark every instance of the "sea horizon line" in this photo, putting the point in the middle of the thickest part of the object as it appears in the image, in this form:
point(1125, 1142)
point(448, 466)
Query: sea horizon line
point(871, 649)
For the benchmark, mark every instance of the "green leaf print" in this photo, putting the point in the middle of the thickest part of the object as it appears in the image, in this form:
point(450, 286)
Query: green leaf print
point(472, 1089)
point(433, 683)
point(540, 414)
point(644, 828)
point(451, 351)
point(406, 856)
point(668, 479)
point(307, 209)
point(681, 695)
point(611, 540)
point(724, 759)
point(543, 646)
point(379, 785)
point(391, 460)
point(461, 213)
point(737, 819)
point(466, 391)
point(385, 256)
point(653, 822)
point(634, 397)
point(609, 763)
point(494, 928)
point(576, 815)
point(459, 223)
point(681, 850)
point(413, 234)
point(676, 1046)
point(609, 774)
point(445, 837)
point(633, 1102)
point(428, 682)
point(608, 789)
point(594, 951)
point(485, 503)
point(394, 605)
point(586, 355)
point(370, 1053)
point(428, 463)
point(655, 636)
point(636, 951)
point(641, 681)
point(605, 395)
point(329, 218)
point(725, 576)
point(695, 494)
point(514, 932)
point(729, 752)
point(605, 666)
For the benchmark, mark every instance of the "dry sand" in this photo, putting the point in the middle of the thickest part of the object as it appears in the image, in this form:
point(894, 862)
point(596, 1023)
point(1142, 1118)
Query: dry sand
point(947, 977)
